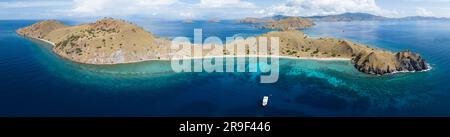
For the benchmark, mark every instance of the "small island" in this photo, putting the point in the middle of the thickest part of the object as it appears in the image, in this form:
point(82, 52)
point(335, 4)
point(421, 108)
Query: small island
point(290, 23)
point(251, 20)
point(114, 41)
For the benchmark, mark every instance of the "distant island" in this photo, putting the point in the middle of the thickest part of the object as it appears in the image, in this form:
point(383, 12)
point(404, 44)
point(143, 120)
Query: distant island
point(279, 22)
point(291, 23)
point(113, 41)
point(188, 21)
point(345, 17)
point(256, 20)
point(214, 20)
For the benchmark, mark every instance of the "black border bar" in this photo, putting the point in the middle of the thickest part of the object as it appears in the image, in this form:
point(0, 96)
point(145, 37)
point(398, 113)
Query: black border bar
point(279, 125)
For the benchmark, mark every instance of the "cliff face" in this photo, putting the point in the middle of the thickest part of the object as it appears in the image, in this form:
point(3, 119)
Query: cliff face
point(376, 63)
point(291, 23)
point(411, 61)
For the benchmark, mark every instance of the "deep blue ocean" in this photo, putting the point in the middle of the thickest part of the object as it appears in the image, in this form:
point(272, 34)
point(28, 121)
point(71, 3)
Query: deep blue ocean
point(36, 82)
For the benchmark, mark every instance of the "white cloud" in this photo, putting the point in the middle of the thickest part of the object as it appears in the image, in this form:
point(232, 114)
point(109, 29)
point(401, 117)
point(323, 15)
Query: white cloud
point(162, 8)
point(187, 15)
point(423, 12)
point(155, 2)
point(86, 6)
point(326, 7)
point(226, 3)
point(33, 4)
point(119, 7)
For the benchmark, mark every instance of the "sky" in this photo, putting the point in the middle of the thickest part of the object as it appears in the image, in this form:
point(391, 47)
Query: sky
point(215, 9)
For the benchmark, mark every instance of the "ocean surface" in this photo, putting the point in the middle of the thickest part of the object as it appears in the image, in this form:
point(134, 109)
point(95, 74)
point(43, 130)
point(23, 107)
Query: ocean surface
point(36, 82)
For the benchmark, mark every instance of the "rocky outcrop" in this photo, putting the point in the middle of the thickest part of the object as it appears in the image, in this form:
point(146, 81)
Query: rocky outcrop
point(410, 61)
point(385, 63)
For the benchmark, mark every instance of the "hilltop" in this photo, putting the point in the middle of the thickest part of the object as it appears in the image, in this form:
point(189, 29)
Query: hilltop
point(107, 41)
point(41, 29)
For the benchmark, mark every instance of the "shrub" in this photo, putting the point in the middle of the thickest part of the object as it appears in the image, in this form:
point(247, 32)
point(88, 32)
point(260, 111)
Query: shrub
point(316, 51)
point(78, 50)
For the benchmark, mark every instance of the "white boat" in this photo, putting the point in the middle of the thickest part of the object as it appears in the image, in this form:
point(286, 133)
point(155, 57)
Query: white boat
point(265, 101)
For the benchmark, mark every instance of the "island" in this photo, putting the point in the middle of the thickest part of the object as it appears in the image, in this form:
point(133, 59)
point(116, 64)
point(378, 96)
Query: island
point(280, 22)
point(252, 20)
point(344, 17)
point(349, 17)
point(189, 21)
point(115, 41)
point(213, 21)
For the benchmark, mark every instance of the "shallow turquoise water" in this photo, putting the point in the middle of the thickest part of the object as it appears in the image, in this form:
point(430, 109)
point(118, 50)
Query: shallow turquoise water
point(36, 82)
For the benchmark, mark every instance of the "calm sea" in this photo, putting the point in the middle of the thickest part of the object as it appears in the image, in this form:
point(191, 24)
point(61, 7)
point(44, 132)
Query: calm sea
point(36, 82)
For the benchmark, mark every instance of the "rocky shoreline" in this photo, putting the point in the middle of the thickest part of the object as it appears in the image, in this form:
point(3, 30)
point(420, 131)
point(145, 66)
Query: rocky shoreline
point(407, 62)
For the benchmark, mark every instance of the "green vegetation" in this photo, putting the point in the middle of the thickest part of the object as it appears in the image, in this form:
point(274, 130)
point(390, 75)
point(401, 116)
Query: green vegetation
point(307, 49)
point(65, 42)
point(291, 52)
point(316, 51)
point(78, 50)
point(90, 31)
